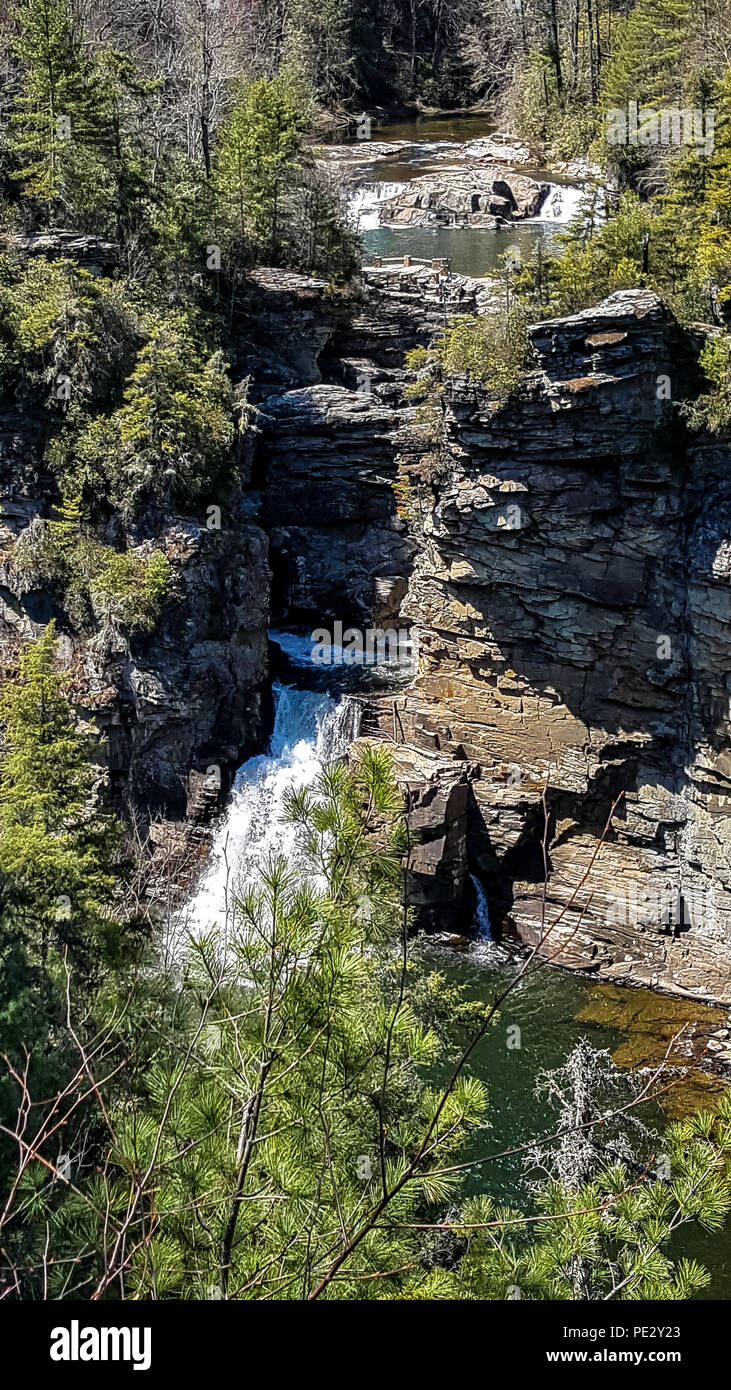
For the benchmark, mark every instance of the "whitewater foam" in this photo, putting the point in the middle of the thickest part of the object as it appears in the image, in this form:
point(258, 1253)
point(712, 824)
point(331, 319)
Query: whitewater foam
point(310, 731)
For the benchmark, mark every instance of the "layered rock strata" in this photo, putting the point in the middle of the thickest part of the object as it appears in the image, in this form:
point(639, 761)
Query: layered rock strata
point(328, 456)
point(571, 598)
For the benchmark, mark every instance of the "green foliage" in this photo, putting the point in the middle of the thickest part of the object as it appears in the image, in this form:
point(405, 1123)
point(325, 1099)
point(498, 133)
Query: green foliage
point(667, 230)
point(128, 589)
point(51, 157)
point(259, 150)
point(536, 99)
point(317, 44)
point(175, 428)
point(172, 437)
point(103, 592)
point(77, 127)
point(287, 1084)
point(62, 931)
point(58, 321)
point(55, 847)
point(712, 410)
point(284, 1138)
point(596, 260)
point(492, 351)
point(646, 67)
point(270, 201)
point(713, 266)
point(608, 1234)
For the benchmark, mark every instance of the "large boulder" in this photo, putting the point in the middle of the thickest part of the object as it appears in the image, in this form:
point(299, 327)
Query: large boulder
point(475, 198)
point(436, 795)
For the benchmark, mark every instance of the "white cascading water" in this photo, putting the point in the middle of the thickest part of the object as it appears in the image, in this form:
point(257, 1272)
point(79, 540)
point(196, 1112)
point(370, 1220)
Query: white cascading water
point(310, 730)
point(565, 200)
point(364, 203)
point(561, 205)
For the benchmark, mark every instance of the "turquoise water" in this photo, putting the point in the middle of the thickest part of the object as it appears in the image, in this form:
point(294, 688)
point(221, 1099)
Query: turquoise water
point(554, 1009)
point(471, 250)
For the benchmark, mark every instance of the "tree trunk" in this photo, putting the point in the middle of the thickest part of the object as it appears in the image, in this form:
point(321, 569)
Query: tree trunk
point(206, 99)
point(556, 48)
point(593, 86)
point(574, 44)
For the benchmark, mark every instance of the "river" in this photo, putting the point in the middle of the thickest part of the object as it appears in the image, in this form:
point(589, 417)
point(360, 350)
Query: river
point(434, 145)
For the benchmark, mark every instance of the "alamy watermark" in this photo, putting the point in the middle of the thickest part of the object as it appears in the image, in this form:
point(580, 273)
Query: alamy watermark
point(669, 909)
point(371, 646)
point(643, 125)
point(77, 1343)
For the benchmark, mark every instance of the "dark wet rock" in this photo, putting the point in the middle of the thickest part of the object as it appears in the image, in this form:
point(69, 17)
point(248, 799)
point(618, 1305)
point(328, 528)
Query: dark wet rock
point(329, 452)
point(329, 505)
point(191, 696)
point(437, 792)
point(288, 320)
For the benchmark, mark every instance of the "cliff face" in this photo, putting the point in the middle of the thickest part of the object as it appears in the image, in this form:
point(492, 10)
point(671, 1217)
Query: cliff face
point(568, 579)
point(178, 709)
point(182, 708)
point(329, 449)
point(571, 596)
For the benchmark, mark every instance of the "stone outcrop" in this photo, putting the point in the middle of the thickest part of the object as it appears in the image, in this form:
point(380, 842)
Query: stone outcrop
point(178, 709)
point(572, 603)
point(190, 700)
point(91, 253)
point(329, 503)
point(437, 792)
point(287, 321)
point(567, 574)
point(479, 197)
point(498, 149)
point(328, 453)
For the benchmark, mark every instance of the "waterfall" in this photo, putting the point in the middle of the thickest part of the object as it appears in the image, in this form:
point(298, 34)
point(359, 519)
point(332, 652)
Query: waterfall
point(481, 919)
point(562, 204)
point(364, 203)
point(310, 730)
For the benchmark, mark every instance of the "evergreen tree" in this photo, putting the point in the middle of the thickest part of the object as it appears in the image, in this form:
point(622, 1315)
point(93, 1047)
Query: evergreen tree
point(647, 68)
point(56, 847)
point(259, 151)
point(606, 1219)
point(175, 429)
point(58, 886)
point(275, 1132)
point(53, 122)
point(714, 249)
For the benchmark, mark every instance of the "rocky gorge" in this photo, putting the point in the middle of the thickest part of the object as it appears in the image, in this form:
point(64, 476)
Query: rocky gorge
point(571, 600)
point(567, 583)
point(565, 573)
